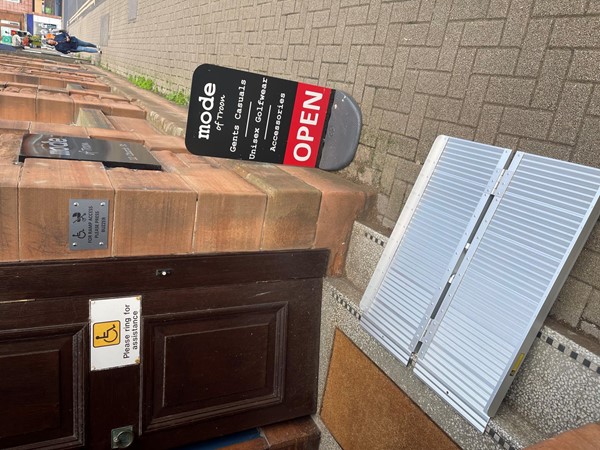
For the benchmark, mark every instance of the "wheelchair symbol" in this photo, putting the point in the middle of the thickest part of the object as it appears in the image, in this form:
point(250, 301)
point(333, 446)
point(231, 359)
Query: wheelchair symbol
point(106, 333)
point(80, 235)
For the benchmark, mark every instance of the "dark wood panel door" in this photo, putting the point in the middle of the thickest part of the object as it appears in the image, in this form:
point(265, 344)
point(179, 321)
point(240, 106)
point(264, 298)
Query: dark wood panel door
point(233, 358)
point(228, 343)
point(42, 385)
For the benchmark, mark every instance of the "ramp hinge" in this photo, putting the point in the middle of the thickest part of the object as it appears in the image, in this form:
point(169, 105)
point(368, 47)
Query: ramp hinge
point(495, 188)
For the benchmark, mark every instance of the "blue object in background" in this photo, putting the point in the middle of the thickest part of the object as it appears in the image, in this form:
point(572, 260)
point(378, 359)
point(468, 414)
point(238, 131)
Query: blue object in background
point(30, 23)
point(217, 443)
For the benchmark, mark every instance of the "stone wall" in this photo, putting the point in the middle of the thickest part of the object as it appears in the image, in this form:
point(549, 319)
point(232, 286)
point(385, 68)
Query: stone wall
point(522, 74)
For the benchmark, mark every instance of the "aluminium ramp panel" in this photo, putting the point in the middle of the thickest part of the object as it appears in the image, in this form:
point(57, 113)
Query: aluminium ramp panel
point(440, 215)
point(523, 251)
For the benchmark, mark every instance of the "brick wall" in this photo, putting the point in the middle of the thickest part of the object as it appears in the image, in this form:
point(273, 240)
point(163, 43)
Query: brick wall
point(19, 6)
point(517, 73)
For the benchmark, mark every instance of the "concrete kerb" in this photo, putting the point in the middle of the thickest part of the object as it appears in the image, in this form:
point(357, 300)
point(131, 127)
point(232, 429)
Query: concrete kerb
point(167, 117)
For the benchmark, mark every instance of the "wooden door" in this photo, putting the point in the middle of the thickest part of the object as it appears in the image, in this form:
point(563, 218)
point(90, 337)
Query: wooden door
point(229, 342)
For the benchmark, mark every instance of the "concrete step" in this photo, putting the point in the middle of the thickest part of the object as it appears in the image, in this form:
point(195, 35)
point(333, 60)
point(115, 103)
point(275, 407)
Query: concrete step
point(365, 249)
point(555, 390)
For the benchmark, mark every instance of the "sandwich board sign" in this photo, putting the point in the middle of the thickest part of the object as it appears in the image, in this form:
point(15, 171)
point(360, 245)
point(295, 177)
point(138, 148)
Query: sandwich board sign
point(243, 115)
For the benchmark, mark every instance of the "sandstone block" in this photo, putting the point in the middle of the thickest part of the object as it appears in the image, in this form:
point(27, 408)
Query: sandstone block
point(10, 144)
point(46, 190)
point(6, 74)
point(292, 205)
point(230, 210)
point(7, 125)
point(124, 109)
point(95, 86)
point(27, 79)
point(172, 162)
point(30, 87)
point(90, 102)
point(17, 104)
point(57, 129)
point(93, 118)
point(111, 96)
point(154, 213)
point(174, 144)
point(114, 135)
point(341, 203)
point(54, 107)
point(139, 126)
point(54, 81)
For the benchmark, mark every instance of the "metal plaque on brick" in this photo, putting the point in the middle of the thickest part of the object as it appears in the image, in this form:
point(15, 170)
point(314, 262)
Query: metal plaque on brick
point(131, 155)
point(88, 224)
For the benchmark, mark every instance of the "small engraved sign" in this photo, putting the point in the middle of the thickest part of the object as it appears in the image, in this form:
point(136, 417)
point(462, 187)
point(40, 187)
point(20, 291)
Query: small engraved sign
point(111, 153)
point(88, 224)
point(115, 332)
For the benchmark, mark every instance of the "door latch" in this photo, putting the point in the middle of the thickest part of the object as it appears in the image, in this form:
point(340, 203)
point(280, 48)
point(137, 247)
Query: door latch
point(121, 437)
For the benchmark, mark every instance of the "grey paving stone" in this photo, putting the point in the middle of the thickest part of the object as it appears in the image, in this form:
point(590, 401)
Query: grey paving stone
point(587, 268)
point(559, 7)
point(416, 116)
point(545, 148)
point(586, 148)
point(571, 301)
point(594, 107)
point(439, 21)
point(482, 33)
point(423, 58)
point(408, 90)
point(433, 82)
point(510, 91)
point(450, 44)
point(426, 10)
point(526, 122)
point(405, 12)
point(570, 112)
point(498, 9)
point(592, 309)
point(473, 102)
point(443, 108)
point(496, 61)
point(399, 145)
point(516, 22)
point(534, 46)
point(489, 122)
point(554, 70)
point(585, 66)
point(465, 9)
point(575, 32)
point(414, 34)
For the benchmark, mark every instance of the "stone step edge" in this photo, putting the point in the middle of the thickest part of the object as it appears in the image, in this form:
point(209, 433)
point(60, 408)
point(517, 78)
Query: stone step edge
point(508, 428)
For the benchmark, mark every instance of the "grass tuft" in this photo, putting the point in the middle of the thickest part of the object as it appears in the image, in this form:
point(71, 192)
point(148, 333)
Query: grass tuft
point(148, 84)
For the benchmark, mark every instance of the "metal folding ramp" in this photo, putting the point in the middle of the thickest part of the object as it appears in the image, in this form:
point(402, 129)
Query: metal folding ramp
point(520, 250)
point(443, 208)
